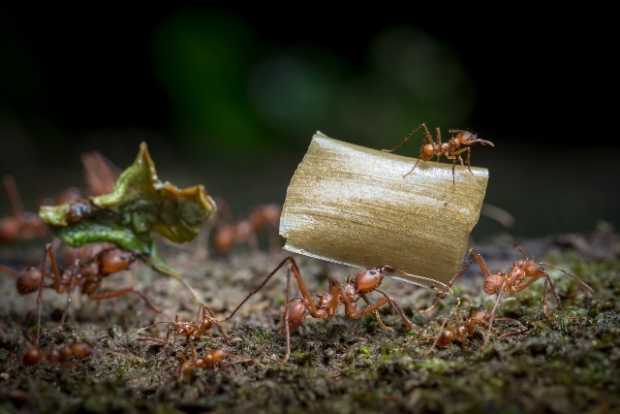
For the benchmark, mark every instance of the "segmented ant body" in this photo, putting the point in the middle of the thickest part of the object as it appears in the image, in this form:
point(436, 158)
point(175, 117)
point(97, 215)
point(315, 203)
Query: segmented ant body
point(209, 361)
point(21, 225)
point(87, 276)
point(228, 235)
point(324, 305)
point(66, 353)
point(459, 143)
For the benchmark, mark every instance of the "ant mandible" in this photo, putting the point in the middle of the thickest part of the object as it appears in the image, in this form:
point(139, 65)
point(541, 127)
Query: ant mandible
point(459, 143)
point(324, 305)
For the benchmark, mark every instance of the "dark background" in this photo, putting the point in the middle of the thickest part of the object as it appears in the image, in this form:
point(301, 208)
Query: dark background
point(230, 97)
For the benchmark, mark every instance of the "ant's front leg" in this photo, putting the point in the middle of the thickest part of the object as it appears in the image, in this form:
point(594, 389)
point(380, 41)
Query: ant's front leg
point(382, 325)
point(409, 326)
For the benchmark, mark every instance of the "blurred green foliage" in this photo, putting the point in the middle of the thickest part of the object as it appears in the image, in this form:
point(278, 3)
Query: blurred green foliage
point(232, 92)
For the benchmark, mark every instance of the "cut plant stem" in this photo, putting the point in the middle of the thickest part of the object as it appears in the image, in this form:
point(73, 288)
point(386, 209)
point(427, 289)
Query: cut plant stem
point(351, 205)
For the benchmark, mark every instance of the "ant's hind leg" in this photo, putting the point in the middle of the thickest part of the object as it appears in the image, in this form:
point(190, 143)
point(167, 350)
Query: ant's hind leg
point(287, 327)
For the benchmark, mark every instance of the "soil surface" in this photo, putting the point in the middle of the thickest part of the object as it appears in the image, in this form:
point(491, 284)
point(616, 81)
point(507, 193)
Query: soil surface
point(567, 362)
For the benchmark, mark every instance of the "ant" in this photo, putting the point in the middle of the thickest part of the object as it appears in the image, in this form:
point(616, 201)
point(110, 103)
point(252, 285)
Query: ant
point(461, 332)
point(21, 225)
point(209, 361)
point(226, 236)
point(324, 305)
point(73, 351)
point(191, 330)
point(523, 273)
point(86, 275)
point(459, 143)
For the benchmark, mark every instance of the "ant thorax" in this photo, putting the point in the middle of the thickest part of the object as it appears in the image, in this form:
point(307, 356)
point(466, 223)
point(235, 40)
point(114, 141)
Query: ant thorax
point(350, 292)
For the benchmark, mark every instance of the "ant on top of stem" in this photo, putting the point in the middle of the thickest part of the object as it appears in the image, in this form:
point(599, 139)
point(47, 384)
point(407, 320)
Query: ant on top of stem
point(459, 143)
point(324, 305)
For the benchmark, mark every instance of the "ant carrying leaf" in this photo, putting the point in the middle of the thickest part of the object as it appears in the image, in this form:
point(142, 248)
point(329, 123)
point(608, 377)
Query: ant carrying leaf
point(139, 206)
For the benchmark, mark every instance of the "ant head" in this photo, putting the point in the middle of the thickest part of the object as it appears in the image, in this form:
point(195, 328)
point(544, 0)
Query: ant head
point(493, 283)
point(445, 147)
point(427, 152)
point(463, 137)
point(368, 280)
point(532, 268)
point(445, 338)
point(115, 260)
point(81, 350)
point(29, 280)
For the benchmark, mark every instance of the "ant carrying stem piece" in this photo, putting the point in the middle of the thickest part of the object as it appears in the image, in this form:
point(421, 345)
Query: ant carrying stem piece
point(324, 305)
point(459, 143)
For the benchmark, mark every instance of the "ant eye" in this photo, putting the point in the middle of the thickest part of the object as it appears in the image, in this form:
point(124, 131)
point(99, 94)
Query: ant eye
point(373, 272)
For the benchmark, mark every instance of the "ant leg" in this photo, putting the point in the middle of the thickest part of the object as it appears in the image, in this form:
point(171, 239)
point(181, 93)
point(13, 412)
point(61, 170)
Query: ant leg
point(12, 193)
point(382, 325)
point(553, 290)
point(438, 136)
point(469, 160)
point(443, 326)
point(409, 136)
point(482, 264)
point(441, 295)
point(493, 311)
point(51, 256)
point(287, 328)
point(111, 294)
point(409, 326)
point(412, 169)
point(300, 283)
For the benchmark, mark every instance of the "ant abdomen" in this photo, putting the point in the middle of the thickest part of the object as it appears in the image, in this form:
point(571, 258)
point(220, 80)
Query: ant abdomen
point(32, 356)
point(29, 281)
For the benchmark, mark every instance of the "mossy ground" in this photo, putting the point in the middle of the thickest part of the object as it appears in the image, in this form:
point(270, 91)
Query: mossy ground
point(566, 363)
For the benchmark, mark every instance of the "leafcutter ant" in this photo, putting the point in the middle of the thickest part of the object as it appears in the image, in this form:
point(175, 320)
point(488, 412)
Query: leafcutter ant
point(459, 143)
point(324, 305)
point(86, 276)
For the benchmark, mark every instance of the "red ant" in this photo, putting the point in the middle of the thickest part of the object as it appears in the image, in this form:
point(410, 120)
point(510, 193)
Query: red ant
point(523, 273)
point(460, 142)
point(85, 275)
point(461, 332)
point(74, 351)
point(191, 330)
point(324, 305)
point(226, 236)
point(21, 225)
point(209, 361)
